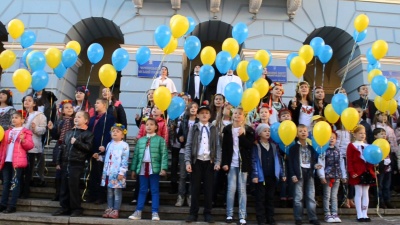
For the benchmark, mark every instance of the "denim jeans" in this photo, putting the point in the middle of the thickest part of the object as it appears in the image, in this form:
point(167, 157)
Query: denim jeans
point(114, 198)
point(305, 183)
point(8, 181)
point(330, 197)
point(385, 180)
point(183, 174)
point(236, 181)
point(154, 181)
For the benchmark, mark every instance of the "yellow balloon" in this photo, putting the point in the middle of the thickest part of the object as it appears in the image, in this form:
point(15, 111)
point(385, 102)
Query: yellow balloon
point(74, 45)
point(16, 28)
point(262, 56)
point(107, 75)
point(390, 91)
point(7, 59)
point(392, 108)
point(208, 55)
point(322, 132)
point(373, 73)
point(162, 98)
point(307, 53)
point(350, 118)
point(361, 22)
point(232, 46)
point(383, 145)
point(330, 115)
point(53, 57)
point(241, 70)
point(381, 104)
point(287, 132)
point(298, 66)
point(172, 45)
point(250, 99)
point(1, 133)
point(379, 49)
point(262, 86)
point(179, 26)
point(22, 79)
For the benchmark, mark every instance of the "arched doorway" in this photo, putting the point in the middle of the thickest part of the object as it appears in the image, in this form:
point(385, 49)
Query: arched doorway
point(3, 38)
point(95, 30)
point(342, 44)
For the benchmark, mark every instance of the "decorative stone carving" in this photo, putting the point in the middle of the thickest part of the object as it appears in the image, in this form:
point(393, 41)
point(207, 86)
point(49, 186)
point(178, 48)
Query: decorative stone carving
point(292, 7)
point(138, 5)
point(254, 6)
point(214, 7)
point(176, 5)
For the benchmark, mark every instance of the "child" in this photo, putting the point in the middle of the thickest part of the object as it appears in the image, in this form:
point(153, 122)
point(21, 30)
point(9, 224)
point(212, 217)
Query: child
point(100, 126)
point(146, 111)
point(274, 99)
point(82, 101)
point(13, 159)
point(358, 167)
point(114, 171)
point(58, 131)
point(302, 161)
point(216, 106)
point(36, 122)
point(6, 108)
point(267, 169)
point(332, 170)
point(115, 107)
point(237, 145)
point(202, 157)
point(368, 130)
point(385, 174)
point(150, 161)
point(381, 121)
point(264, 112)
point(76, 149)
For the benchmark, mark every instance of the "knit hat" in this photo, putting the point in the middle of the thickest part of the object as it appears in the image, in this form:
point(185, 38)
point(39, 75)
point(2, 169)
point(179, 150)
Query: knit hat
point(261, 127)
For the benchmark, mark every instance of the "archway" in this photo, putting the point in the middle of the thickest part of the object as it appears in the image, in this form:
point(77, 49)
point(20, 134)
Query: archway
point(3, 38)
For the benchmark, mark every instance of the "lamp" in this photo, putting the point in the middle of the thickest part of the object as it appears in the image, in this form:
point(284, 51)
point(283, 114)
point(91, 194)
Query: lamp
point(138, 5)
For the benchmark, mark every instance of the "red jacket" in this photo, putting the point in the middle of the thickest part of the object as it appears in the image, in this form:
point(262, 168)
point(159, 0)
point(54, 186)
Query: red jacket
point(162, 130)
point(19, 158)
point(357, 165)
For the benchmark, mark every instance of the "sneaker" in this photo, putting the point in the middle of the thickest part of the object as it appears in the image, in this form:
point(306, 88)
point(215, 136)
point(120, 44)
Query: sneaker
point(155, 217)
point(107, 212)
point(315, 222)
point(329, 219)
point(137, 215)
point(242, 222)
point(189, 200)
point(336, 217)
point(179, 201)
point(229, 219)
point(114, 214)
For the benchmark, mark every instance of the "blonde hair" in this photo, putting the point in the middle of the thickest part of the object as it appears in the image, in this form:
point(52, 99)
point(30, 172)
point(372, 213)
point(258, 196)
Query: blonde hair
point(357, 129)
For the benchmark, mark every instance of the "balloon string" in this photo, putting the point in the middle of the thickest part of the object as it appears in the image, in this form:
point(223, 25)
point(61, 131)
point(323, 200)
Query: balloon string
point(87, 83)
point(377, 191)
point(190, 69)
point(202, 94)
point(105, 118)
point(315, 78)
point(323, 75)
point(348, 62)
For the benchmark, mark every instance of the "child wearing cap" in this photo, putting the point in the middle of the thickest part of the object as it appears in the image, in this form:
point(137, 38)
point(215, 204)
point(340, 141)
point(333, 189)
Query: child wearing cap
point(267, 169)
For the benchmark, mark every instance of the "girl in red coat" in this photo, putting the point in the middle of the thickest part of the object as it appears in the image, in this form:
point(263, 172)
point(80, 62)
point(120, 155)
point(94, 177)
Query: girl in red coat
point(357, 168)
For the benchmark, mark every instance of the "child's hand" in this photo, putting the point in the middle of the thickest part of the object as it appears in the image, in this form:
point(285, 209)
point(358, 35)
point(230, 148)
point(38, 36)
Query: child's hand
point(294, 103)
point(189, 168)
point(120, 177)
point(255, 180)
point(102, 149)
point(344, 180)
point(50, 125)
point(181, 139)
point(33, 126)
point(354, 176)
point(318, 166)
point(58, 167)
point(294, 179)
point(163, 173)
point(22, 137)
point(137, 117)
point(73, 140)
point(95, 155)
point(323, 180)
point(225, 168)
point(133, 175)
point(217, 167)
point(284, 179)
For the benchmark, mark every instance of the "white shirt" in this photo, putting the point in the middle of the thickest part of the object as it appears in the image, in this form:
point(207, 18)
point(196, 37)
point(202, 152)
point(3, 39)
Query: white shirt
point(204, 151)
point(360, 145)
point(168, 83)
point(306, 114)
point(14, 133)
point(197, 87)
point(147, 158)
point(235, 156)
point(225, 80)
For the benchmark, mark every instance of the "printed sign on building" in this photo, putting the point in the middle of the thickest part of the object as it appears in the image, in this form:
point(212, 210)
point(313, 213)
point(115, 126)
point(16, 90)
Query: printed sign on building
point(277, 73)
point(149, 69)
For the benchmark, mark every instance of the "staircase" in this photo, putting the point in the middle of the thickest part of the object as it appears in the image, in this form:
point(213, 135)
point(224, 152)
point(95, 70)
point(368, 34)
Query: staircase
point(38, 208)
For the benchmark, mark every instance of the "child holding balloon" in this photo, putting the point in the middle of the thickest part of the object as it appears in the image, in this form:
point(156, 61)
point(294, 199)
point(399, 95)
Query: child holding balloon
point(146, 111)
point(381, 121)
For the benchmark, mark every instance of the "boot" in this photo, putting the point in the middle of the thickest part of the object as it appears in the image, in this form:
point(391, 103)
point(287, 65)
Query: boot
point(174, 188)
point(189, 200)
point(180, 201)
point(57, 185)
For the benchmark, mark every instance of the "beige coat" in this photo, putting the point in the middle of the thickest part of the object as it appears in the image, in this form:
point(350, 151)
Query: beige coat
point(41, 123)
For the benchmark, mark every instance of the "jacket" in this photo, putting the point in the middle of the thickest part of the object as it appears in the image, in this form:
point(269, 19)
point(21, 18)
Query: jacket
point(162, 130)
point(117, 110)
point(357, 165)
point(391, 137)
point(343, 140)
point(56, 131)
point(5, 118)
point(41, 125)
point(158, 154)
point(245, 148)
point(257, 164)
point(19, 158)
point(339, 160)
point(101, 133)
point(184, 129)
point(368, 105)
point(145, 113)
point(78, 152)
point(294, 158)
point(193, 144)
point(115, 163)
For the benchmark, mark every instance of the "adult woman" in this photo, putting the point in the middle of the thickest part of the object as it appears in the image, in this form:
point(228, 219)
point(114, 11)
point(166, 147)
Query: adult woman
point(115, 107)
point(274, 100)
point(46, 103)
point(146, 111)
point(301, 105)
point(319, 103)
point(163, 80)
point(6, 108)
point(82, 102)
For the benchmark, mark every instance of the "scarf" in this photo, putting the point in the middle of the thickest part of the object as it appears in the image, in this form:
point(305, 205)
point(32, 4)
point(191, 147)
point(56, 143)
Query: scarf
point(67, 125)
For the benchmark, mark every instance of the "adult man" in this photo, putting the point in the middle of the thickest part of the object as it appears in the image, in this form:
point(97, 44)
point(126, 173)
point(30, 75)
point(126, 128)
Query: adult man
point(366, 104)
point(195, 87)
point(225, 80)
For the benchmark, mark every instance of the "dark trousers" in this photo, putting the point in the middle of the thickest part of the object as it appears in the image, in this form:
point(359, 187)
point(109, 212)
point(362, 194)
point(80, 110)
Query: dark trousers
point(385, 180)
point(28, 173)
point(96, 192)
point(8, 181)
point(220, 184)
point(202, 171)
point(265, 199)
point(174, 165)
point(70, 195)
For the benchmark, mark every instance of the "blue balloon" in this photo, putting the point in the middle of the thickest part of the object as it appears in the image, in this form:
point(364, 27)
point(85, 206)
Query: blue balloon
point(379, 85)
point(95, 53)
point(162, 35)
point(24, 55)
point(270, 57)
point(377, 65)
point(233, 93)
point(359, 37)
point(340, 102)
point(223, 61)
point(235, 62)
point(143, 55)
point(274, 132)
point(319, 149)
point(254, 70)
point(325, 54)
point(370, 57)
point(207, 74)
point(192, 47)
point(192, 24)
point(69, 57)
point(249, 84)
point(372, 154)
point(290, 57)
point(317, 43)
point(176, 107)
point(240, 32)
point(37, 61)
point(40, 79)
point(60, 70)
point(28, 38)
point(120, 59)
